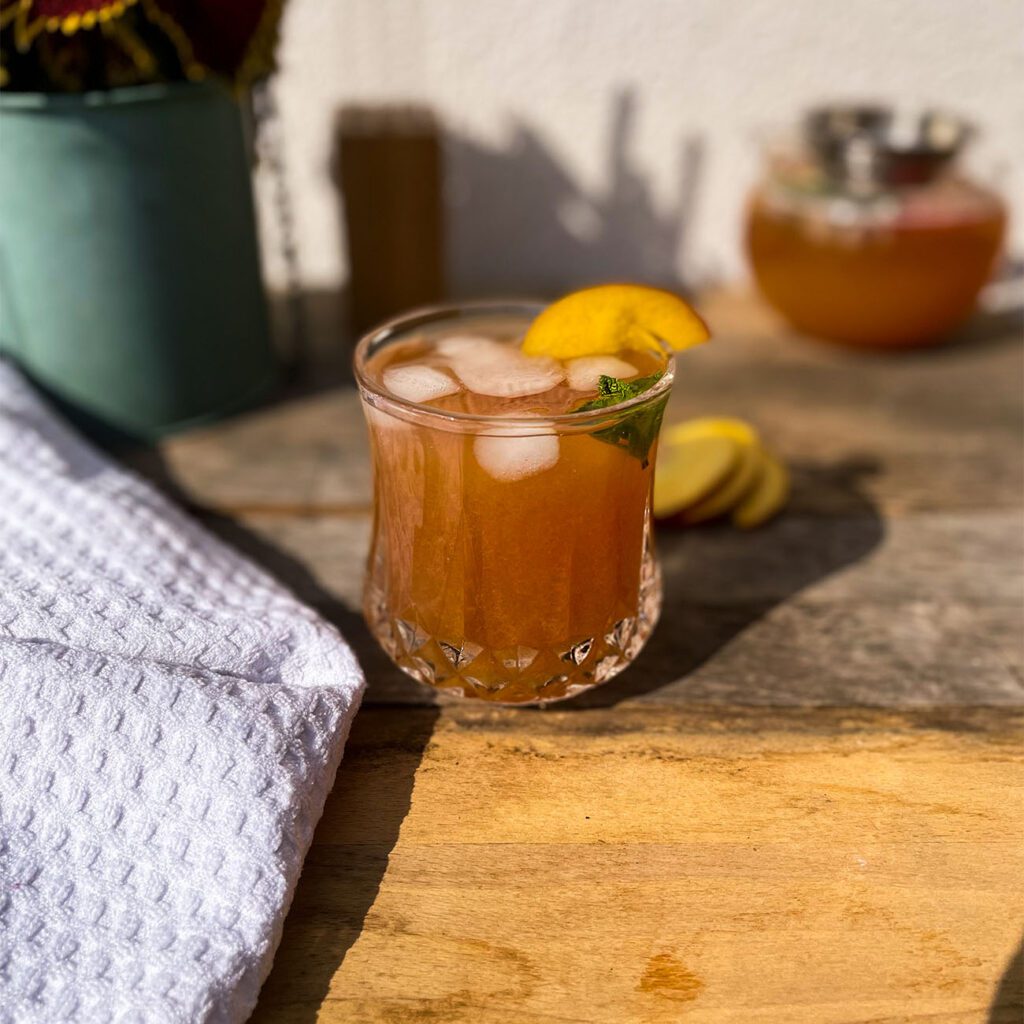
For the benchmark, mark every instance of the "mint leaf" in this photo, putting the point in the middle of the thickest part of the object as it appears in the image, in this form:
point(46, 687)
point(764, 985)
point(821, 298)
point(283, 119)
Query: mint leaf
point(611, 390)
point(637, 430)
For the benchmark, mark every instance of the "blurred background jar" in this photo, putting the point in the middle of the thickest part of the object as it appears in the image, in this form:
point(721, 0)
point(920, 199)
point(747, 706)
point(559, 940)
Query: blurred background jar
point(865, 230)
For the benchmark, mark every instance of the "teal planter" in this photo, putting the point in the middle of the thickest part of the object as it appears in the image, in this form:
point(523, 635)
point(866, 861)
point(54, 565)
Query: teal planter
point(129, 273)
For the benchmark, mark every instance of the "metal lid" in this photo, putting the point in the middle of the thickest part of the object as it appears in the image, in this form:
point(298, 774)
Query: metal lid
point(865, 148)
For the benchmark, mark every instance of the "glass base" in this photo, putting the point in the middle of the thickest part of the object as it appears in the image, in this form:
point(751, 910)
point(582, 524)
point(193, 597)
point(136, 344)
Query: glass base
point(520, 675)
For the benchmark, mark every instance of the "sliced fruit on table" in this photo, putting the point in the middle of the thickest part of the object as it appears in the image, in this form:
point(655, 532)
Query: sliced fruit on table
point(689, 470)
point(745, 481)
point(732, 491)
point(766, 498)
point(611, 317)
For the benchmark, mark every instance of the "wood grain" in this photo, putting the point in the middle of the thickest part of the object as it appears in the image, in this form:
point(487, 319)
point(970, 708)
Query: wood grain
point(661, 865)
point(802, 805)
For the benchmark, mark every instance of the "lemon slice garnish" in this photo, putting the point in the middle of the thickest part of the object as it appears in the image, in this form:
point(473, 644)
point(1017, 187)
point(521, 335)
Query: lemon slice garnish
point(612, 317)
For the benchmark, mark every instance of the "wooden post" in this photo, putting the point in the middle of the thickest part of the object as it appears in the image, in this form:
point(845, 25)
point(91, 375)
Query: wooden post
point(389, 169)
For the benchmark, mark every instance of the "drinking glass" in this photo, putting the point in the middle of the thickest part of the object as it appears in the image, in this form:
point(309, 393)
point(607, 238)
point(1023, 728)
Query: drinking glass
point(525, 588)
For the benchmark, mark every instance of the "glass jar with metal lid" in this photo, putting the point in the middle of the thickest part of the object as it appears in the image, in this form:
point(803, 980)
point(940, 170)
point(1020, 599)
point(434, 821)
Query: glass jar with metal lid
point(865, 230)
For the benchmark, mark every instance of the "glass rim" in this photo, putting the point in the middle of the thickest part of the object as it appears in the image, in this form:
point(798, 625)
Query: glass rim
point(379, 398)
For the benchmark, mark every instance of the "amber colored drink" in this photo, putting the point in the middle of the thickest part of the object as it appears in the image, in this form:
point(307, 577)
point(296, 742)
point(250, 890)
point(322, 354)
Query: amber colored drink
point(511, 557)
point(901, 281)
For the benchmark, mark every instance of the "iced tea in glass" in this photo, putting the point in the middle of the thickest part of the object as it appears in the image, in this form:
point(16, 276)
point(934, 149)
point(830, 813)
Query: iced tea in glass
point(511, 559)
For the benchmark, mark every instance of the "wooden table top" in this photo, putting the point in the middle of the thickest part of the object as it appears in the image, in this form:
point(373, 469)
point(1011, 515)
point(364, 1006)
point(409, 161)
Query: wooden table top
point(802, 804)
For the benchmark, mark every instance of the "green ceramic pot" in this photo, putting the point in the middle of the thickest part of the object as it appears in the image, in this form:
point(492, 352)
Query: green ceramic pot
point(129, 274)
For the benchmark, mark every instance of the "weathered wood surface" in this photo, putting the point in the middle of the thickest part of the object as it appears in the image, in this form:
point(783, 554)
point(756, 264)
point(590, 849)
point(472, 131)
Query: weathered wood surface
point(937, 429)
point(893, 579)
point(803, 803)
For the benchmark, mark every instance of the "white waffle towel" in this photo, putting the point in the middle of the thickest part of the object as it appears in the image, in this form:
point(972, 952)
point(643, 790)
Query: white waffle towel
point(171, 720)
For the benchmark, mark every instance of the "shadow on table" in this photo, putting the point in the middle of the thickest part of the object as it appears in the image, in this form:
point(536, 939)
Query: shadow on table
point(719, 581)
point(347, 862)
point(363, 814)
point(365, 810)
point(999, 320)
point(990, 327)
point(1008, 1001)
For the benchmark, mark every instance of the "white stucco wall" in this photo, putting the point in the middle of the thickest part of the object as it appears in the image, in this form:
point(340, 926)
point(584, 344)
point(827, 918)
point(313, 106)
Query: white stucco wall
point(534, 95)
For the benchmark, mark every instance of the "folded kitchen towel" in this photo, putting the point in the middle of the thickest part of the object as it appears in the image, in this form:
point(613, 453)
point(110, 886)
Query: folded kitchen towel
point(171, 720)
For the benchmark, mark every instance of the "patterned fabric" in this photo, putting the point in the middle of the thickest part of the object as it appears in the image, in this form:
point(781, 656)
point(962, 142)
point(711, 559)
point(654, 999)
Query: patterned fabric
point(171, 720)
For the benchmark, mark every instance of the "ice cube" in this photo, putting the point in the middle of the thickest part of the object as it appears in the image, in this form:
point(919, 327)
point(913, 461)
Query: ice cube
point(419, 383)
point(583, 373)
point(467, 345)
point(515, 458)
point(507, 373)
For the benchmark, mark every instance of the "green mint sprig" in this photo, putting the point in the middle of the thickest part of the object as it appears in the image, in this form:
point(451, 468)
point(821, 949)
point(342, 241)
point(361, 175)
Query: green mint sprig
point(637, 430)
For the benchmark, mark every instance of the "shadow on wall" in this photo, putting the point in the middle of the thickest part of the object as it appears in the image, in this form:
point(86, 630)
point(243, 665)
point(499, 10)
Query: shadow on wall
point(417, 200)
point(520, 222)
